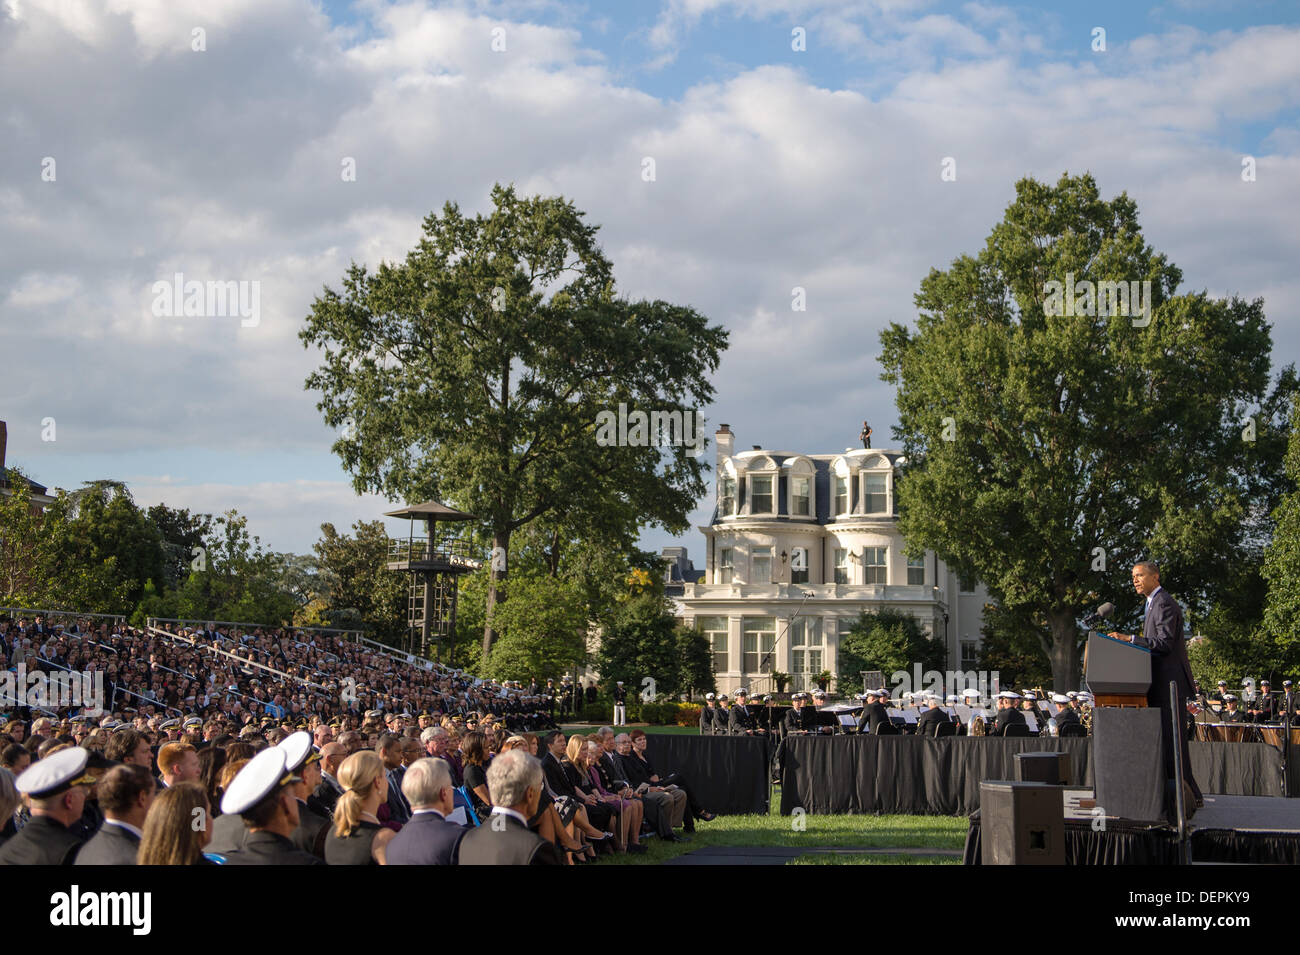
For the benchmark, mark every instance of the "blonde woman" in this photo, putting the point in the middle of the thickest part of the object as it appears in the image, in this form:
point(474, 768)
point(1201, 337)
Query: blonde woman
point(10, 800)
point(357, 838)
point(170, 836)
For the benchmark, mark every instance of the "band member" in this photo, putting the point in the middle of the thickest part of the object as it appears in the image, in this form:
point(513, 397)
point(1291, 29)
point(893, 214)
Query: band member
point(1264, 709)
point(1231, 710)
point(931, 717)
point(799, 720)
point(1009, 713)
point(874, 715)
point(708, 714)
point(1063, 715)
point(742, 721)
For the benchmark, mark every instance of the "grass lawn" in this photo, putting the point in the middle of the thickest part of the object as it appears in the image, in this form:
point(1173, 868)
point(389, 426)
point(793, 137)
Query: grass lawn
point(773, 829)
point(867, 858)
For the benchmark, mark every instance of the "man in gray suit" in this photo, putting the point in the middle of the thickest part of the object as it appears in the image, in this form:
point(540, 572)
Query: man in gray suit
point(428, 839)
point(125, 794)
point(1162, 634)
point(515, 785)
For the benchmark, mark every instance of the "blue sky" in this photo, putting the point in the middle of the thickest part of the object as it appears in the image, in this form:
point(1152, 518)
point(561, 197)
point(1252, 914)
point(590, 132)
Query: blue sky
point(776, 168)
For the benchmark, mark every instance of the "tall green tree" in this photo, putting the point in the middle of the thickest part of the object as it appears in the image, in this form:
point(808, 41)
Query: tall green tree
point(640, 643)
point(1048, 451)
point(1281, 625)
point(358, 591)
point(474, 371)
point(1015, 645)
point(888, 641)
point(183, 537)
point(543, 627)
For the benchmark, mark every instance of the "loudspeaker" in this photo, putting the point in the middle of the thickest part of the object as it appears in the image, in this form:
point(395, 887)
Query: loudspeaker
point(1129, 763)
point(1022, 823)
point(1050, 768)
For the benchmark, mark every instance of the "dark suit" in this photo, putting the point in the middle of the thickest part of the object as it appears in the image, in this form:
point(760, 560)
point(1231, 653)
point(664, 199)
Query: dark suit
point(327, 794)
point(268, 848)
point(557, 779)
point(311, 831)
point(112, 845)
point(742, 721)
point(874, 715)
point(399, 810)
point(706, 720)
point(228, 834)
point(1011, 716)
point(931, 718)
point(43, 841)
point(511, 844)
point(428, 839)
point(1228, 716)
point(1065, 718)
point(1162, 634)
point(800, 720)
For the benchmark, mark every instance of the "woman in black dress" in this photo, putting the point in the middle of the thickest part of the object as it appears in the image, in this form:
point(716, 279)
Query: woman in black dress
point(475, 752)
point(357, 838)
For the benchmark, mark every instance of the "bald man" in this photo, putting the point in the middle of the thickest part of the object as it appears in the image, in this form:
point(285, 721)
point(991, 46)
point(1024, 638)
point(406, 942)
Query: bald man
point(327, 793)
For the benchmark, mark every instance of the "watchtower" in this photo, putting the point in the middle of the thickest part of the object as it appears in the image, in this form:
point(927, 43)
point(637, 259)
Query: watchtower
point(435, 564)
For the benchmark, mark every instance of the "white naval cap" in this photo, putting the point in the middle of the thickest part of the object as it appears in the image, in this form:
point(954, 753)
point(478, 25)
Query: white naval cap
point(951, 698)
point(297, 751)
point(1009, 695)
point(55, 773)
point(263, 773)
point(970, 692)
point(710, 696)
point(1060, 698)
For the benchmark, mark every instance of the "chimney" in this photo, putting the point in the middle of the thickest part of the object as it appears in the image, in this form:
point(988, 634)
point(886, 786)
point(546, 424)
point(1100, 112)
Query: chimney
point(725, 443)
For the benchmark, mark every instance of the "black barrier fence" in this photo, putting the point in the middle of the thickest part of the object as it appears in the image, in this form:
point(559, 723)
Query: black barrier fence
point(728, 775)
point(917, 776)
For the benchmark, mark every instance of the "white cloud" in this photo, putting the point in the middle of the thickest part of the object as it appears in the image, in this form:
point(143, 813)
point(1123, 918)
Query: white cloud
point(226, 165)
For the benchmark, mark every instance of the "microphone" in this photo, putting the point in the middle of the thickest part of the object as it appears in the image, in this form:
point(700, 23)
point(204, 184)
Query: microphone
point(1102, 613)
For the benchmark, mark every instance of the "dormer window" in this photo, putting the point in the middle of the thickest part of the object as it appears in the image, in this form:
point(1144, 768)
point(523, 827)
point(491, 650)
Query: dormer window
point(760, 494)
point(727, 496)
point(800, 496)
point(841, 495)
point(876, 497)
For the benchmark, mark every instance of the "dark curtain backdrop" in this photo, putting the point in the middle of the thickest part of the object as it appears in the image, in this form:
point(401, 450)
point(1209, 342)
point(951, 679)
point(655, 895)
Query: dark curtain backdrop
point(727, 774)
point(921, 776)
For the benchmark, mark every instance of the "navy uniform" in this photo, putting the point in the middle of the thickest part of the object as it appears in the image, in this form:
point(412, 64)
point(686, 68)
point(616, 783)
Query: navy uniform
point(742, 721)
point(1229, 715)
point(800, 720)
point(1011, 716)
point(313, 826)
point(264, 777)
point(45, 840)
point(707, 713)
point(932, 717)
point(874, 715)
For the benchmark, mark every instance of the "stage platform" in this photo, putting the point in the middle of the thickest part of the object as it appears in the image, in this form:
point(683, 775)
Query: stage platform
point(1232, 830)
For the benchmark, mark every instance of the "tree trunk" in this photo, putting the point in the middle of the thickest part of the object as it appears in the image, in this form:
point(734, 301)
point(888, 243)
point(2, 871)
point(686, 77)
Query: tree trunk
point(496, 590)
point(1065, 652)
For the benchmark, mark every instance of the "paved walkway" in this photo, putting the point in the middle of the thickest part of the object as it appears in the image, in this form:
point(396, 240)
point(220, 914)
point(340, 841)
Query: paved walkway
point(780, 855)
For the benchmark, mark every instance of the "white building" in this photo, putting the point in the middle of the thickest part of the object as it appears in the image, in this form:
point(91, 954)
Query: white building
point(798, 546)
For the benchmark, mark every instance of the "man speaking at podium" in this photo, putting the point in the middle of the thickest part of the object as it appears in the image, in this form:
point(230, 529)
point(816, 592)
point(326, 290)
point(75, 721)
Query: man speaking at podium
point(1162, 634)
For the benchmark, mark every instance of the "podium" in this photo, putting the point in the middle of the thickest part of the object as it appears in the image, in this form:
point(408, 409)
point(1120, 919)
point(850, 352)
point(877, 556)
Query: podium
point(1127, 749)
point(1118, 673)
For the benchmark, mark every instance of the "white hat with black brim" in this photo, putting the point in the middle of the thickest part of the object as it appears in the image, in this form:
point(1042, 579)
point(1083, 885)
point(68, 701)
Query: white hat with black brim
point(263, 774)
point(56, 773)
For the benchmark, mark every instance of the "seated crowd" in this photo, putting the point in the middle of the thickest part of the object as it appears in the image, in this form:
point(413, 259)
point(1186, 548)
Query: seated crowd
point(281, 776)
